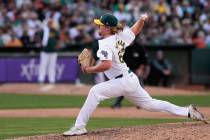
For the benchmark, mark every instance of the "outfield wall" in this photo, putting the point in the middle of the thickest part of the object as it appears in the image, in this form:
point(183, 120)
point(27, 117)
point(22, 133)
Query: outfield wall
point(190, 65)
point(200, 66)
point(180, 58)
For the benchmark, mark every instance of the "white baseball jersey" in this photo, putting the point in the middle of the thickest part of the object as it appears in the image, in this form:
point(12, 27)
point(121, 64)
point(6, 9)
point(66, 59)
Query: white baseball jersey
point(113, 48)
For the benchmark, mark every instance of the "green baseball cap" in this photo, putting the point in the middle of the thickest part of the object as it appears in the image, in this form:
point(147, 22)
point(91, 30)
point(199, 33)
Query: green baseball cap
point(107, 20)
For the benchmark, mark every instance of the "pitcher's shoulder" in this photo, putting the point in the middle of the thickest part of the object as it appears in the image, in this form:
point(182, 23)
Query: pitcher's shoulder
point(108, 42)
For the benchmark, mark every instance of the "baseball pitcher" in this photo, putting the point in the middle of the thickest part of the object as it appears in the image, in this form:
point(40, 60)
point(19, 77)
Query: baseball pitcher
point(122, 81)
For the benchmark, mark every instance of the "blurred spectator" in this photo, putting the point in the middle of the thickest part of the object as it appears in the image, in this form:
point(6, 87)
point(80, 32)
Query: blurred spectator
point(14, 41)
point(64, 40)
point(25, 37)
point(207, 41)
point(173, 34)
point(206, 26)
point(6, 37)
point(161, 7)
point(199, 39)
point(161, 70)
point(121, 13)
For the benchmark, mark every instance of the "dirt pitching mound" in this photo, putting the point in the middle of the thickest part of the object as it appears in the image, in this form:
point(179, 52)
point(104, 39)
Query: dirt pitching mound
point(178, 131)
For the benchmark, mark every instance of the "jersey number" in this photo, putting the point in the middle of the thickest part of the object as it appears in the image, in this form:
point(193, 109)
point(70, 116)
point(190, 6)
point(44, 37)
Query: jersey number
point(120, 45)
point(120, 54)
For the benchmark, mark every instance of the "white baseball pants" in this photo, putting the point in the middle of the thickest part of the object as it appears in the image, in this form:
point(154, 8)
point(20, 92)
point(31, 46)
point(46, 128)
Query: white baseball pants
point(47, 65)
point(129, 87)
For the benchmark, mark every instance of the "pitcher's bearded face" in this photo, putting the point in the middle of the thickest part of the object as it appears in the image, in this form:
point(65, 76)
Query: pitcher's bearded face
point(101, 30)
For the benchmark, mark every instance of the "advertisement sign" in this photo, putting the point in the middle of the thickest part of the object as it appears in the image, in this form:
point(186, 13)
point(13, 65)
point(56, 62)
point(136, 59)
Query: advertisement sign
point(26, 69)
point(3, 75)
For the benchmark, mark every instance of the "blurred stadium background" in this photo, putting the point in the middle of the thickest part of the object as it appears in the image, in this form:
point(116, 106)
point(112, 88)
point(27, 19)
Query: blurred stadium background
point(180, 28)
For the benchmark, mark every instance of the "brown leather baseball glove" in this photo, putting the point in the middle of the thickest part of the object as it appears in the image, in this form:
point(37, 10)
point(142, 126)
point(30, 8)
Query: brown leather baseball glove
point(86, 59)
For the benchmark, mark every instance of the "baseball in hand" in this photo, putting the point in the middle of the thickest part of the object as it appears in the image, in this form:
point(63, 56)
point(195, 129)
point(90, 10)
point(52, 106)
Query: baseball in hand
point(144, 17)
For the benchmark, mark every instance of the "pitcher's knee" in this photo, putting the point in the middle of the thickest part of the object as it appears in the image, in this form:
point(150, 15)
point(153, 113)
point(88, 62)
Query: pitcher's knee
point(97, 93)
point(94, 92)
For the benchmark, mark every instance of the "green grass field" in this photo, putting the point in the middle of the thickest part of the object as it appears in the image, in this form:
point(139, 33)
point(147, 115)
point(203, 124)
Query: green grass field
point(16, 127)
point(18, 101)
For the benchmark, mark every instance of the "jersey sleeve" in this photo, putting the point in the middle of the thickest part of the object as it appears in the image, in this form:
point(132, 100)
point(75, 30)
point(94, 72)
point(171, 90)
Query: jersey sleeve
point(128, 36)
point(104, 52)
